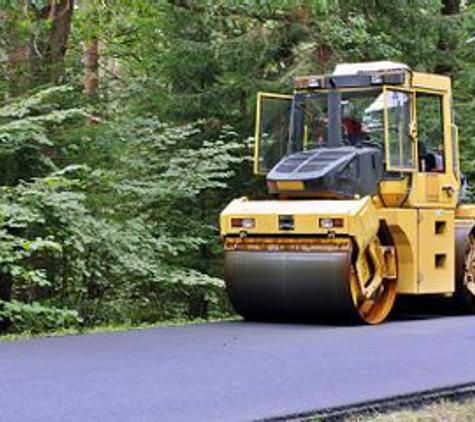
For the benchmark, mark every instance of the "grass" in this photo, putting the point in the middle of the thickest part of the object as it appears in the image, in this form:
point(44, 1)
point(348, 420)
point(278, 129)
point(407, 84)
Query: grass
point(441, 411)
point(108, 328)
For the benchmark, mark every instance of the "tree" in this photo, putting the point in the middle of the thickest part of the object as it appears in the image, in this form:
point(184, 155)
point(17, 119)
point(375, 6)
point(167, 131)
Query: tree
point(36, 35)
point(449, 36)
point(117, 220)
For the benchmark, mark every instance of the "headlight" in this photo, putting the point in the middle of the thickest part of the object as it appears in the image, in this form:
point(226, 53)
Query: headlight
point(243, 223)
point(330, 223)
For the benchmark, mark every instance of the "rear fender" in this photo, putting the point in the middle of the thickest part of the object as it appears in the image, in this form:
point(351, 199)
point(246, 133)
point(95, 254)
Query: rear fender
point(463, 229)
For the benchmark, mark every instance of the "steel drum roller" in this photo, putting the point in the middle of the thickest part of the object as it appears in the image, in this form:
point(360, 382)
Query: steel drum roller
point(290, 285)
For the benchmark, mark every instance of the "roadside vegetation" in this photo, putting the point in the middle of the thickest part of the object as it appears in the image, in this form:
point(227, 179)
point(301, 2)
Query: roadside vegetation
point(126, 126)
point(443, 411)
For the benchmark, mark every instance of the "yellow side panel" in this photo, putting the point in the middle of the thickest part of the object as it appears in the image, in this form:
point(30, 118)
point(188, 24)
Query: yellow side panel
point(434, 190)
point(436, 251)
point(432, 187)
point(403, 226)
point(465, 211)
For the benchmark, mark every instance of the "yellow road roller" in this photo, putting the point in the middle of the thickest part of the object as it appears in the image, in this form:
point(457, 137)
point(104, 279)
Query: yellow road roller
point(365, 200)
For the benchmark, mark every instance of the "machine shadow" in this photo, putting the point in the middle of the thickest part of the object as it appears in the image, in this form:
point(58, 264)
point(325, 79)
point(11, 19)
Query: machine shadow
point(415, 308)
point(425, 307)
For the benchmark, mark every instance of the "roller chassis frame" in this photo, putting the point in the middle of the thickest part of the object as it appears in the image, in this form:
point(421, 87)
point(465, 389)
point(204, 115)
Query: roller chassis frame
point(401, 230)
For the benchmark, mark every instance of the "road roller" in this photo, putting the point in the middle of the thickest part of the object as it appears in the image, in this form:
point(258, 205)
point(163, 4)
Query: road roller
point(365, 200)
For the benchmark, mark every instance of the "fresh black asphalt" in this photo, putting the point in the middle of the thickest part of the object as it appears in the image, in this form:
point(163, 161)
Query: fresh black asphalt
point(232, 371)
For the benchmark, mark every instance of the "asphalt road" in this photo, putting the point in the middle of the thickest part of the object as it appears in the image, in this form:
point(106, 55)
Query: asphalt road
point(228, 371)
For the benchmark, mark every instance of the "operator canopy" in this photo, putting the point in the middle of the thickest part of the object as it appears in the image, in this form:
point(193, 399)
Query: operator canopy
point(330, 134)
point(369, 67)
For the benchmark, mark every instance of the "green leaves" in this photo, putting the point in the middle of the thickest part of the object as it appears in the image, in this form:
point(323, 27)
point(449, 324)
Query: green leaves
point(122, 234)
point(115, 217)
point(36, 317)
point(27, 132)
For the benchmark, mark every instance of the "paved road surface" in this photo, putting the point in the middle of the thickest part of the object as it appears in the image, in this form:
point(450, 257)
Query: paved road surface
point(228, 371)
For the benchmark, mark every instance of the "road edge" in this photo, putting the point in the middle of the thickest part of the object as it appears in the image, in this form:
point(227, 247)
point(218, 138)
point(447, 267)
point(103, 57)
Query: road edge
point(413, 400)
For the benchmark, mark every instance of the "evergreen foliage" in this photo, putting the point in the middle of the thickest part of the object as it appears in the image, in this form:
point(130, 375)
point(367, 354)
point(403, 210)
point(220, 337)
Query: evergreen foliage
point(109, 202)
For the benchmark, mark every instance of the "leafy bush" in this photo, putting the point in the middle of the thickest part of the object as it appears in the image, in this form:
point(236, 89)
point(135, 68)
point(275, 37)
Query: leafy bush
point(119, 243)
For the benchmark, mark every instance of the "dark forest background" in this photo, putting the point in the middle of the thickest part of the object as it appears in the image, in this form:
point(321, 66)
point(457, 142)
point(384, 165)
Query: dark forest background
point(126, 126)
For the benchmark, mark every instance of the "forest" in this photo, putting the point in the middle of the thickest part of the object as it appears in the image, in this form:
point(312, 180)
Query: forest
point(126, 126)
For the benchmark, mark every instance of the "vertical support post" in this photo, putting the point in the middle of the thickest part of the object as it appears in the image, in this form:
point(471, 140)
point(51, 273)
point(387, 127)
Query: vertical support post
point(334, 119)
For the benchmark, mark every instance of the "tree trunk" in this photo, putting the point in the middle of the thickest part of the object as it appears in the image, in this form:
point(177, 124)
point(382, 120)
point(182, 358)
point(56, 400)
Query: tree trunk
point(91, 67)
point(39, 58)
point(447, 41)
point(16, 54)
point(451, 7)
point(61, 13)
point(91, 74)
point(6, 284)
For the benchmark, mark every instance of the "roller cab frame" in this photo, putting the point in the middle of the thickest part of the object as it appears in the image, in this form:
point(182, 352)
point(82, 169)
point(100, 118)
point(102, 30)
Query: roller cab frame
point(365, 200)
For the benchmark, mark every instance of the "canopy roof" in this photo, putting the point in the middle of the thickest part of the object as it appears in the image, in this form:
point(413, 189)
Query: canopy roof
point(368, 67)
